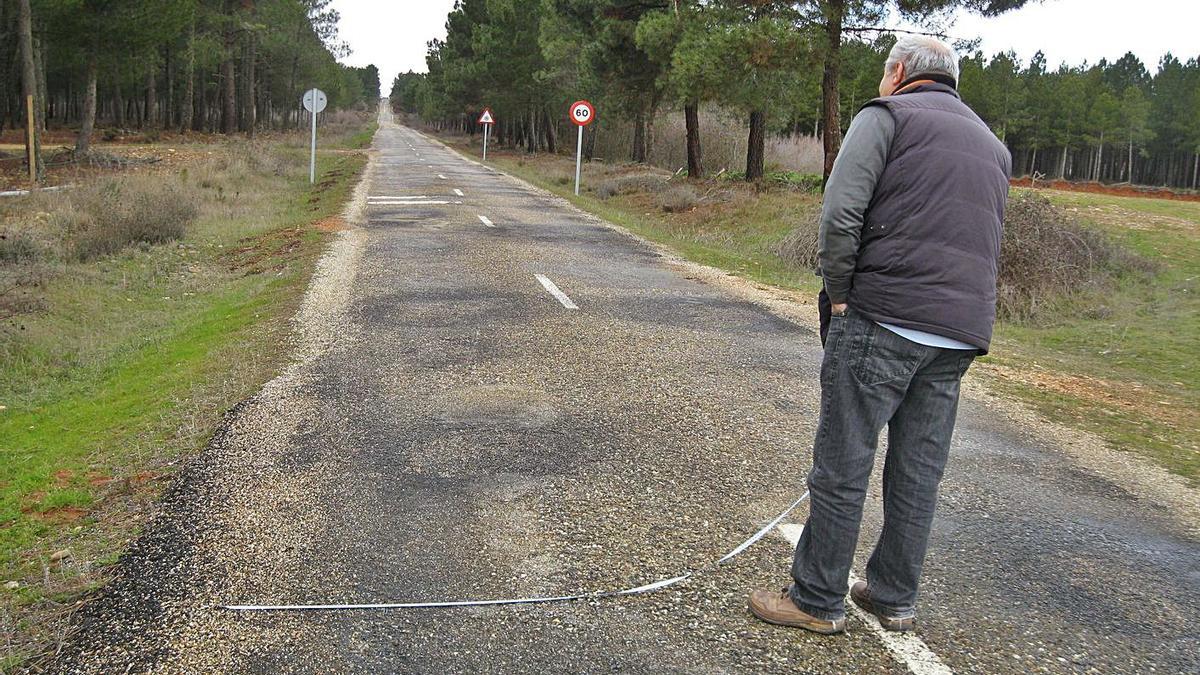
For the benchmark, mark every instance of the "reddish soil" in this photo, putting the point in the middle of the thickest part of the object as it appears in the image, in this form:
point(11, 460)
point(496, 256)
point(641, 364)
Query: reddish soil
point(1115, 190)
point(60, 516)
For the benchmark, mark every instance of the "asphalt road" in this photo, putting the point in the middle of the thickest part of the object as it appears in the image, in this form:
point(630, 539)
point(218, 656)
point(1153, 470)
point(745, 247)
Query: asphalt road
point(455, 432)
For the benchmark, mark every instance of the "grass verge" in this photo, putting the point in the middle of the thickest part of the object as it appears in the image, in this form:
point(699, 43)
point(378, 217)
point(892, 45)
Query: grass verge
point(119, 368)
point(1122, 368)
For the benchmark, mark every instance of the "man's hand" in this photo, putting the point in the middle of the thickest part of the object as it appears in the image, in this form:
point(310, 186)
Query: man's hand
point(839, 310)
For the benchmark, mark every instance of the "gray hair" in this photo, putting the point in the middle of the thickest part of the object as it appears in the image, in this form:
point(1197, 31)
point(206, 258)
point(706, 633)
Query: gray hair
point(922, 55)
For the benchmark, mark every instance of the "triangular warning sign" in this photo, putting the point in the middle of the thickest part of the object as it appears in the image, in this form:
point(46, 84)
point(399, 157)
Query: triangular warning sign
point(486, 117)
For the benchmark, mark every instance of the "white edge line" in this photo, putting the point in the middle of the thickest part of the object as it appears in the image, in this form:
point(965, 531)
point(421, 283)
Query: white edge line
point(443, 176)
point(399, 197)
point(559, 295)
point(904, 647)
point(486, 221)
point(459, 192)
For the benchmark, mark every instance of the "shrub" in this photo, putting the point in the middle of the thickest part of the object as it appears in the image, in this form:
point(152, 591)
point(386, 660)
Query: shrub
point(111, 215)
point(1046, 256)
point(792, 180)
point(19, 247)
point(622, 185)
point(678, 199)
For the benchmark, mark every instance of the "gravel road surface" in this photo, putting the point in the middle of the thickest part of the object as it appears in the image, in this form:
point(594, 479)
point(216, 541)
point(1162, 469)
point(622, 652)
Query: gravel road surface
point(454, 431)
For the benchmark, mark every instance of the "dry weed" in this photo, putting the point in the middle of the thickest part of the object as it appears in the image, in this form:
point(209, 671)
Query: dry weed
point(107, 216)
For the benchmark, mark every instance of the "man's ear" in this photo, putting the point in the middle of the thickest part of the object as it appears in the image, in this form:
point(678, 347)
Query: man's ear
point(898, 76)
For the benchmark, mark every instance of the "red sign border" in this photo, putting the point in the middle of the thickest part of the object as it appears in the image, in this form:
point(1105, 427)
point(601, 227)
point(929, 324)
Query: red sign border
point(591, 118)
point(487, 111)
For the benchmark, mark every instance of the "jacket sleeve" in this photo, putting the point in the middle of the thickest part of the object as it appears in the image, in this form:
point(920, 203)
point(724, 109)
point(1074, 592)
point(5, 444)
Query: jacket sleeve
point(848, 193)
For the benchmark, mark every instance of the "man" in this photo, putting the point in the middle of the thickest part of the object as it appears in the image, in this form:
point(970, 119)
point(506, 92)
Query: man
point(909, 247)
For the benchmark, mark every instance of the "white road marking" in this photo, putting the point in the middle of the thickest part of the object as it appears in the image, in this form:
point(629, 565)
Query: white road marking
point(906, 648)
point(486, 221)
point(459, 192)
point(400, 197)
point(442, 176)
point(791, 532)
point(411, 202)
point(553, 290)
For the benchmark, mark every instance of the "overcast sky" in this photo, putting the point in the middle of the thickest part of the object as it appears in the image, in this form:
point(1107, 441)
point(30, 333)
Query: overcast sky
point(392, 34)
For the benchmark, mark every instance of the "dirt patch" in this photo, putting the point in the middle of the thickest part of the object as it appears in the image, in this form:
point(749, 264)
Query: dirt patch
point(1127, 396)
point(1115, 190)
point(331, 224)
point(271, 252)
point(62, 515)
point(1116, 216)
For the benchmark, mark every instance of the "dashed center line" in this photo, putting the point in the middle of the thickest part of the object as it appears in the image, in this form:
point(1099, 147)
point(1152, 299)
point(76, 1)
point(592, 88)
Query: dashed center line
point(553, 290)
point(459, 192)
point(486, 221)
point(906, 648)
point(443, 176)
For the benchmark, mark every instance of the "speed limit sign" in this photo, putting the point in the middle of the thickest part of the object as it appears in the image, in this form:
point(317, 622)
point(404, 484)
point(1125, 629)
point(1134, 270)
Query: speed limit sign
point(582, 113)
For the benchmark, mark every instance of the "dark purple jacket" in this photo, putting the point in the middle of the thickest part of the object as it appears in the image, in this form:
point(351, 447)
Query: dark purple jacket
point(930, 242)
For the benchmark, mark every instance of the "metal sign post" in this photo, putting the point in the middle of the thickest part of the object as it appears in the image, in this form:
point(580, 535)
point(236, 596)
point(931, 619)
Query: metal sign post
point(487, 119)
point(314, 101)
point(582, 114)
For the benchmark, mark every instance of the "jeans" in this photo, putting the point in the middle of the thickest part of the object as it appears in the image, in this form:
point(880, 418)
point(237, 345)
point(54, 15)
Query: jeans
point(870, 377)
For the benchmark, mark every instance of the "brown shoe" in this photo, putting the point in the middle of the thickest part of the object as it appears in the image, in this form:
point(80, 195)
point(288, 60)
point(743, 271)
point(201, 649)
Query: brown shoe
point(778, 608)
point(862, 597)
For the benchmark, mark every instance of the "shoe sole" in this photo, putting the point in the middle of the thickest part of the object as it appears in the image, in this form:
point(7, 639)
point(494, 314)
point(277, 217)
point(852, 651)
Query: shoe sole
point(813, 628)
point(889, 623)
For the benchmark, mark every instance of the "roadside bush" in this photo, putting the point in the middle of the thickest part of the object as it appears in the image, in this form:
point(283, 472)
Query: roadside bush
point(106, 217)
point(19, 247)
point(1046, 259)
point(792, 180)
point(623, 185)
point(678, 199)
point(1046, 256)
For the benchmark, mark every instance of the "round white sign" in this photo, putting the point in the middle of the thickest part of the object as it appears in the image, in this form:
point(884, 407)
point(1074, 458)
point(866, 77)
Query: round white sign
point(315, 100)
point(582, 113)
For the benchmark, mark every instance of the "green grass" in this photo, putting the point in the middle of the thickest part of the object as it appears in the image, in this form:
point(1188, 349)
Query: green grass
point(129, 366)
point(1123, 370)
point(1141, 354)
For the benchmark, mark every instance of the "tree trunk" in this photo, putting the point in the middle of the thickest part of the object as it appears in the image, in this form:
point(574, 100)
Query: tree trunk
point(1196, 170)
point(835, 11)
point(169, 116)
point(42, 92)
point(28, 79)
point(1100, 159)
point(84, 141)
point(1062, 164)
point(638, 153)
point(695, 158)
point(531, 141)
point(551, 136)
point(251, 114)
point(152, 97)
point(229, 122)
point(188, 105)
point(1129, 176)
point(756, 148)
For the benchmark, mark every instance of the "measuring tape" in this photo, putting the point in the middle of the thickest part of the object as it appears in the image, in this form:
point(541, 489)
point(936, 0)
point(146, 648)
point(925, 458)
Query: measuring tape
point(595, 595)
